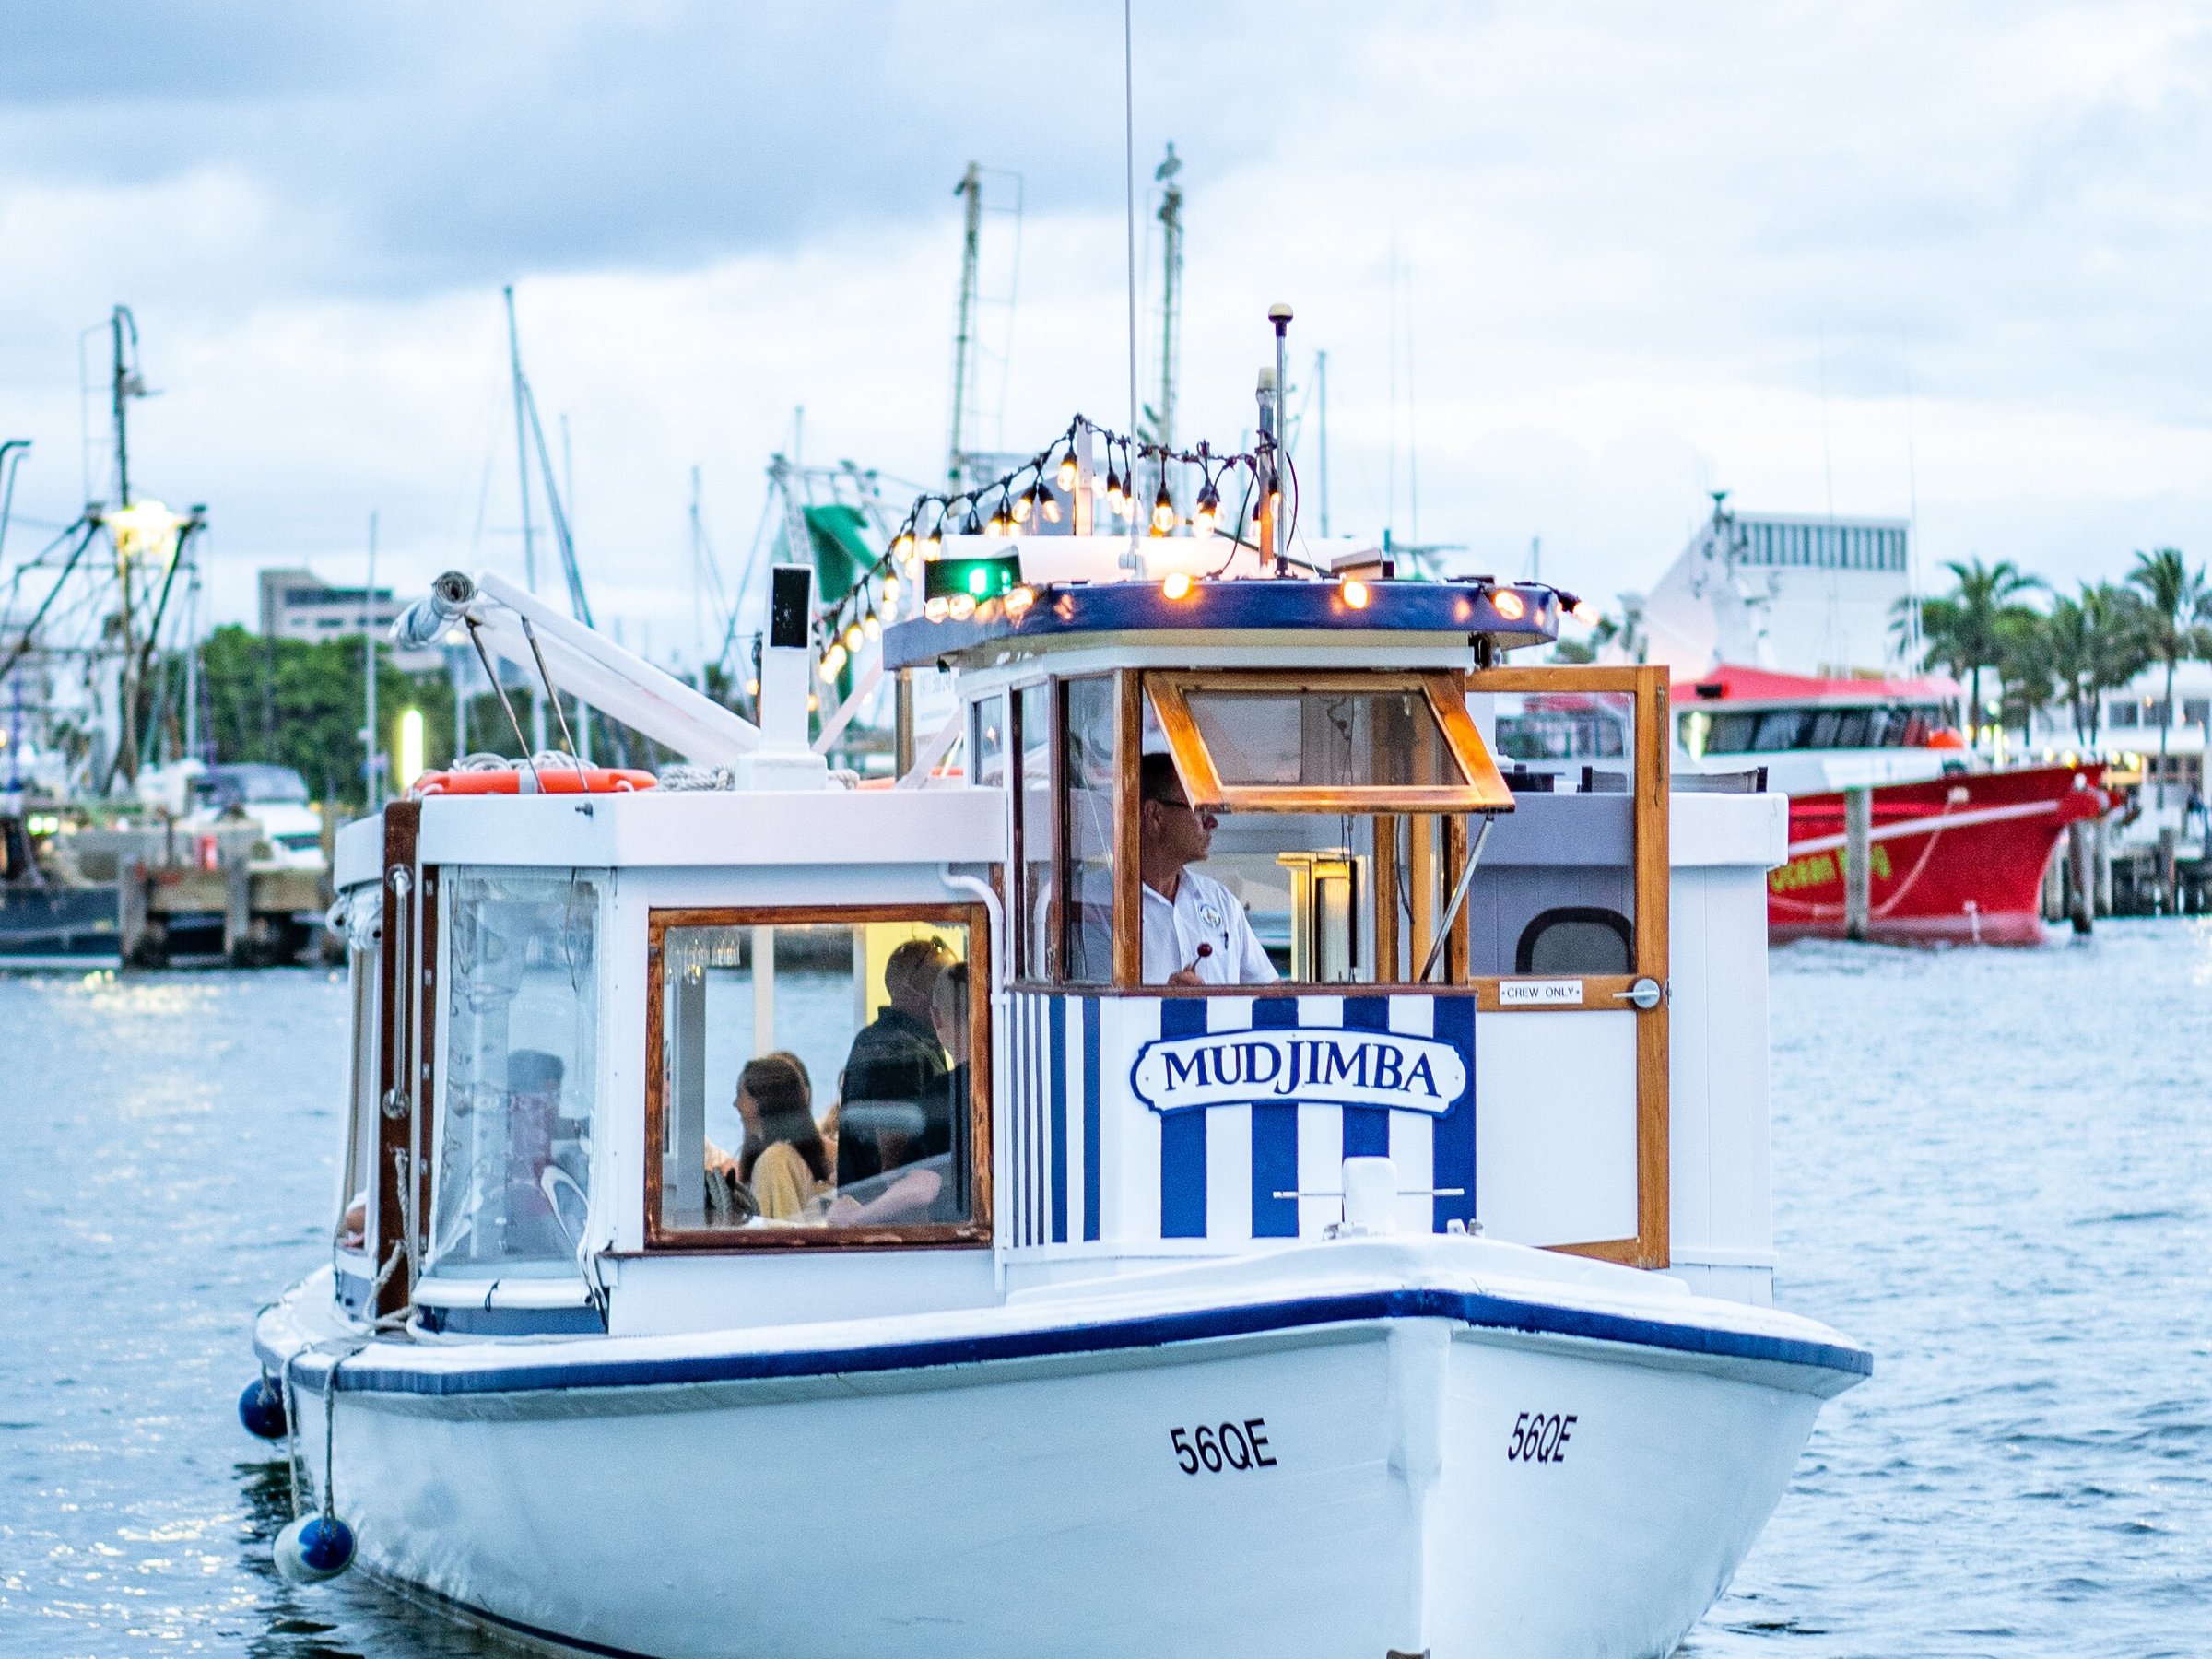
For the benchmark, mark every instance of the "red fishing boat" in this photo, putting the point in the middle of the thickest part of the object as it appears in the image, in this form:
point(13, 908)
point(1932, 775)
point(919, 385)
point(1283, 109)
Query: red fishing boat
point(1958, 849)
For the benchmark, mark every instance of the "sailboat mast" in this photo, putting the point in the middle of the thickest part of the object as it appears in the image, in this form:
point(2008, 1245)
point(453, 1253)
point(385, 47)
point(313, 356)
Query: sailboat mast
point(964, 340)
point(522, 475)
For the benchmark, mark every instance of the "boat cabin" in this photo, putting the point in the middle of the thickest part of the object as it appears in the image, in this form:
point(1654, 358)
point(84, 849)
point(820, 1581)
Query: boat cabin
point(1200, 891)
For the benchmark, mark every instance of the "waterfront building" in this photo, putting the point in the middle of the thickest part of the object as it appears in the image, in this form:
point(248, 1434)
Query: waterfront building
point(295, 604)
point(1806, 593)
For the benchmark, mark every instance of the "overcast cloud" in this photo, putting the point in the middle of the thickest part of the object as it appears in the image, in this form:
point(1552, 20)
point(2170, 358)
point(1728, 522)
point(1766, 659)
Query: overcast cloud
point(1881, 257)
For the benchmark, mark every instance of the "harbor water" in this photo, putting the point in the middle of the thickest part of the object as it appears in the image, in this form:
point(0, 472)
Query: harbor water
point(1993, 1167)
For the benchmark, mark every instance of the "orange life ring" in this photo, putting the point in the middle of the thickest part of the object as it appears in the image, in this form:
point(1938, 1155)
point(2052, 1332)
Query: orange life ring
point(551, 778)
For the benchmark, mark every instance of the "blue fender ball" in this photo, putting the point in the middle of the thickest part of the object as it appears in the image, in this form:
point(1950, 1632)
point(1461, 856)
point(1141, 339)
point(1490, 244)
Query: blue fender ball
point(314, 1549)
point(261, 1409)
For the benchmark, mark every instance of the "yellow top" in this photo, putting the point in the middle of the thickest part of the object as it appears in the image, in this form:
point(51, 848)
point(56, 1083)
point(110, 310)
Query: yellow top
point(782, 1182)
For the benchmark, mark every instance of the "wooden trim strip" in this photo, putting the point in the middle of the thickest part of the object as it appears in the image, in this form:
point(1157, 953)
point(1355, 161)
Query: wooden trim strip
point(1654, 875)
point(402, 829)
point(1128, 875)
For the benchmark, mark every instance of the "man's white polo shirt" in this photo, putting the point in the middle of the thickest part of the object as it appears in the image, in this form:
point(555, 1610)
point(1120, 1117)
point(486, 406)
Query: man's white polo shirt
point(1203, 911)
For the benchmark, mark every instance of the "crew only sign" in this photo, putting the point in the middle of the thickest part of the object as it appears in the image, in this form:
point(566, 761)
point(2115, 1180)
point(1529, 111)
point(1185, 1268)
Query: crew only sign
point(1316, 1066)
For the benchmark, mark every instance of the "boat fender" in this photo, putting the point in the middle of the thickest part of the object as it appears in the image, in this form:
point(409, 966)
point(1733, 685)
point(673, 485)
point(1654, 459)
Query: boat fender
point(314, 1549)
point(261, 1409)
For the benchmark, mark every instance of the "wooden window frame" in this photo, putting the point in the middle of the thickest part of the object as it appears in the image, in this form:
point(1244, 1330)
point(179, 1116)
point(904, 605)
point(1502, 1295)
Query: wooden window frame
point(973, 1233)
point(1648, 684)
point(1484, 791)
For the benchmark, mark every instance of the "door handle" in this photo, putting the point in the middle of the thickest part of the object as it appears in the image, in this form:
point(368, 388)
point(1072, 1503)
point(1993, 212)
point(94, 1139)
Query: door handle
point(1647, 993)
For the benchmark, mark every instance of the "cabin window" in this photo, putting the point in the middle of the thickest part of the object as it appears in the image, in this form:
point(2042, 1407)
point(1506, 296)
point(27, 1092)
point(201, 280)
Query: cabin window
point(1087, 745)
point(1330, 803)
point(1554, 891)
point(1038, 933)
point(818, 1078)
point(512, 1172)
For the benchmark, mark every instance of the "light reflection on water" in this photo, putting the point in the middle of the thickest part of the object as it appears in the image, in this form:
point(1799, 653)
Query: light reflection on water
point(1993, 1167)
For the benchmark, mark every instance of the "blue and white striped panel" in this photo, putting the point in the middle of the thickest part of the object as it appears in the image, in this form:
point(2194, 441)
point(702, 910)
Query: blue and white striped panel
point(1051, 1165)
point(1213, 1173)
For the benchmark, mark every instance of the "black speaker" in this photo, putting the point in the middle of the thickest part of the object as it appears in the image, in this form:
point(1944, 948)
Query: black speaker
point(791, 587)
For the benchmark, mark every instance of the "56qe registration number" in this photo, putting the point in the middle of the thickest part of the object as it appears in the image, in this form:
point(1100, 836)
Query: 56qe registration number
point(1215, 1447)
point(1540, 1437)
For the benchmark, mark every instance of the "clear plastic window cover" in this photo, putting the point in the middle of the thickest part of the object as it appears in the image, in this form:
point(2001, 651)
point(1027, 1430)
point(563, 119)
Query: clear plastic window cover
point(1326, 739)
point(512, 1163)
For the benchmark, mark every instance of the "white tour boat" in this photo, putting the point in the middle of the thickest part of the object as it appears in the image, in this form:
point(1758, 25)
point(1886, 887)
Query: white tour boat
point(780, 1216)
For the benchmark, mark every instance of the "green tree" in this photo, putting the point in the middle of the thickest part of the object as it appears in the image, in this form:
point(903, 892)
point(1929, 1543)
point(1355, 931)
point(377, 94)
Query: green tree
point(1970, 629)
point(2176, 605)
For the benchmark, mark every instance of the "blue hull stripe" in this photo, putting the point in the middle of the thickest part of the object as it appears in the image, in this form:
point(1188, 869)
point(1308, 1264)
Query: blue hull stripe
point(1472, 1308)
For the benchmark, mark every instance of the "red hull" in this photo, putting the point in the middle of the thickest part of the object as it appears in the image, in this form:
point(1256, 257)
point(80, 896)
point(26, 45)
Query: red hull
point(1959, 858)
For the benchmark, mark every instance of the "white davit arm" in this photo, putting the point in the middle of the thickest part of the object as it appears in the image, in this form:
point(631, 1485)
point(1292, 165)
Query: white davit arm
point(587, 664)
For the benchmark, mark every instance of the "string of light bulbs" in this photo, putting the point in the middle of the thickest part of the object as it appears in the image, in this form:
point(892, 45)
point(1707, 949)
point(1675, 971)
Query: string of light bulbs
point(848, 623)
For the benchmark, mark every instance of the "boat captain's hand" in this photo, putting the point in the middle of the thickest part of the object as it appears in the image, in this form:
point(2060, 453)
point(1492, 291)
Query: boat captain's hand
point(1185, 976)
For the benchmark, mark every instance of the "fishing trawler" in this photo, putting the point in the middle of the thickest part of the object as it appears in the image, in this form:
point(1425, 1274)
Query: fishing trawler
point(1956, 849)
point(783, 1214)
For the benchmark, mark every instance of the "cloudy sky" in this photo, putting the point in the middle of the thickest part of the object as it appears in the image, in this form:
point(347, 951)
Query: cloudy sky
point(1574, 265)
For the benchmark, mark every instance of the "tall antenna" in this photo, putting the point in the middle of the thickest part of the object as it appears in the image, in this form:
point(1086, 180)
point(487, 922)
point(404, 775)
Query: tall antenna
point(1321, 382)
point(1161, 416)
point(370, 792)
point(970, 187)
point(1131, 558)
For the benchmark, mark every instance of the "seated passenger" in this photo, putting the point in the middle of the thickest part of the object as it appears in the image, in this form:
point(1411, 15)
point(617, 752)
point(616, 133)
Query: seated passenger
point(895, 1070)
point(785, 1163)
point(1196, 932)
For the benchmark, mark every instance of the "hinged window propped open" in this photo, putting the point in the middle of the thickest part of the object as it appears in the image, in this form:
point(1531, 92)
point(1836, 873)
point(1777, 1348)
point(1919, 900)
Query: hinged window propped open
point(1365, 742)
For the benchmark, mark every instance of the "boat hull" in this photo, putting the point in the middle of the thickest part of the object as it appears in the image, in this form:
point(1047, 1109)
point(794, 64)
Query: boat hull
point(1957, 859)
point(1393, 1496)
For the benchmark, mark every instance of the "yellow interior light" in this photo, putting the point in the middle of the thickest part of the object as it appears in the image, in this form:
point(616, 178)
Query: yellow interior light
point(1175, 585)
point(1354, 592)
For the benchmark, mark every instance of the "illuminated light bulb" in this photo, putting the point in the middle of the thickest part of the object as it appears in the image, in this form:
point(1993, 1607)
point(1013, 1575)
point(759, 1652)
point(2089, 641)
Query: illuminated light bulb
point(1354, 592)
point(935, 609)
point(1067, 474)
point(1117, 497)
point(1002, 520)
point(903, 547)
point(1048, 504)
point(752, 688)
point(1019, 601)
point(1509, 605)
point(1022, 503)
point(960, 606)
point(853, 637)
point(1163, 511)
point(1584, 611)
point(833, 662)
point(1209, 509)
point(813, 702)
point(890, 587)
point(1175, 585)
point(1098, 483)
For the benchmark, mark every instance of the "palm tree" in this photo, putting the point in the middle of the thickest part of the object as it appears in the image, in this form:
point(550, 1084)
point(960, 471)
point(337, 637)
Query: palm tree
point(2176, 605)
point(1968, 631)
point(2068, 646)
point(2119, 648)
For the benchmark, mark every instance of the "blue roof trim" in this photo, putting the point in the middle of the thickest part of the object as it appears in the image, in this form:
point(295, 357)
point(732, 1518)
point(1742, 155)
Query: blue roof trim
point(1490, 1312)
point(1246, 605)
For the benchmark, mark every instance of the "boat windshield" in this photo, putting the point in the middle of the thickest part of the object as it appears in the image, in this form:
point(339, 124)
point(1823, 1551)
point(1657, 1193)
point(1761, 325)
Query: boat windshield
point(512, 1172)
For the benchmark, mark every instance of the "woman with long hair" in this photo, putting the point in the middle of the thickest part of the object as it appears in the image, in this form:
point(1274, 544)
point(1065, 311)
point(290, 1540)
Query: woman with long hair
point(784, 1162)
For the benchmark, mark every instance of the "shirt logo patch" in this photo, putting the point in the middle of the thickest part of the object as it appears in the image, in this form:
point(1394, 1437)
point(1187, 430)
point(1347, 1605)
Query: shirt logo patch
point(1209, 913)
